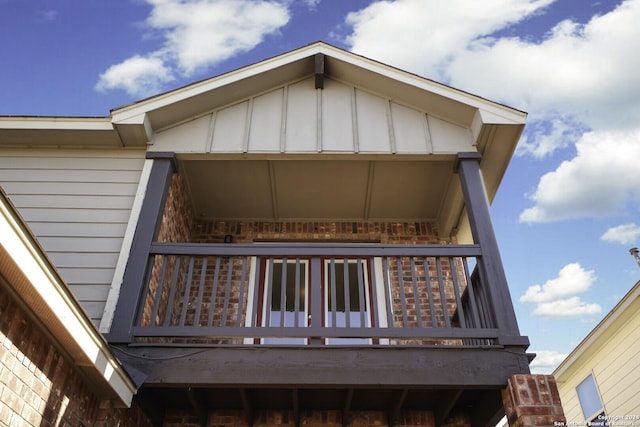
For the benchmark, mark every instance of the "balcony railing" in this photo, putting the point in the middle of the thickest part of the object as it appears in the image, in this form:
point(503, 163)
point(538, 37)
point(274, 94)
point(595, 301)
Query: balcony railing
point(315, 294)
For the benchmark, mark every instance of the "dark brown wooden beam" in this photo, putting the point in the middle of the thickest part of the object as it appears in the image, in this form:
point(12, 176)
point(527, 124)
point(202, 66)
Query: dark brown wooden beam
point(396, 410)
point(196, 400)
point(346, 409)
point(405, 367)
point(246, 404)
point(491, 267)
point(319, 70)
point(151, 406)
point(445, 404)
point(150, 219)
point(296, 406)
point(488, 409)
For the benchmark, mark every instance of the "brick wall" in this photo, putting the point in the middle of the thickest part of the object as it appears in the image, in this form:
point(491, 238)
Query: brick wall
point(39, 387)
point(327, 418)
point(533, 400)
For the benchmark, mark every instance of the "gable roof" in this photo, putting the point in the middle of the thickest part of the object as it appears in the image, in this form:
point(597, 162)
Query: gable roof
point(133, 125)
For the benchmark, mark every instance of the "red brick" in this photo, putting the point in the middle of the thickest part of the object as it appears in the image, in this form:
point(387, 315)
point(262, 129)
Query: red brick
point(532, 400)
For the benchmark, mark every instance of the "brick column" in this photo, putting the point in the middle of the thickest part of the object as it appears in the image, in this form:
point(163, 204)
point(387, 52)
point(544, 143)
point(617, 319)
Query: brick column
point(532, 400)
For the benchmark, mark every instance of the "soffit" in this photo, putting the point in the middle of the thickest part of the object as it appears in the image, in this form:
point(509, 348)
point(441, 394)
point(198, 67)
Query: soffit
point(317, 189)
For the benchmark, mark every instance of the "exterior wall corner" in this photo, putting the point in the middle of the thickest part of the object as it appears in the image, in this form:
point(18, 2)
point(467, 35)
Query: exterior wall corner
point(533, 400)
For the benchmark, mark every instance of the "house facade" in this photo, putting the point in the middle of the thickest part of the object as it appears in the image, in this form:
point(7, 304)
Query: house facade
point(303, 241)
point(599, 382)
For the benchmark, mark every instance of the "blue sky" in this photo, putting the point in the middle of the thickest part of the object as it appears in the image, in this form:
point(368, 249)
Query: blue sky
point(567, 212)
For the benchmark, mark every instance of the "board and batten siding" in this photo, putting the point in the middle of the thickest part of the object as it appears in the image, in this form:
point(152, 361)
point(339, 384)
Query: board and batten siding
point(297, 118)
point(614, 361)
point(77, 203)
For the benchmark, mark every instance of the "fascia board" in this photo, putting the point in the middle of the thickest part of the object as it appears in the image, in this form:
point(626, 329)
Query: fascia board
point(488, 107)
point(65, 320)
point(125, 113)
point(58, 131)
point(56, 123)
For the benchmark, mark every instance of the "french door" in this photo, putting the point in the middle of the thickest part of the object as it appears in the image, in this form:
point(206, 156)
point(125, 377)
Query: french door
point(284, 297)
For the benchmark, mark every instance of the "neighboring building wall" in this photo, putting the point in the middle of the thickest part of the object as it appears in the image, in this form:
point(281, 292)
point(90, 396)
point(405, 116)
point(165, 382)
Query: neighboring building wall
point(77, 203)
point(39, 387)
point(613, 360)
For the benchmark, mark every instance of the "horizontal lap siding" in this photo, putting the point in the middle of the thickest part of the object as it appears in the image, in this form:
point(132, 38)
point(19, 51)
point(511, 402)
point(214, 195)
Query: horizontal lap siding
point(615, 366)
point(77, 203)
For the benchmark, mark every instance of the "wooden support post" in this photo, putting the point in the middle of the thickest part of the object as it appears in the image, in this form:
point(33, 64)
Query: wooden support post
point(147, 230)
point(477, 204)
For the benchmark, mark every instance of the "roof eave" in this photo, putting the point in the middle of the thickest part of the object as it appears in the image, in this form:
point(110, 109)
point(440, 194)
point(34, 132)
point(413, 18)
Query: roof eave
point(31, 276)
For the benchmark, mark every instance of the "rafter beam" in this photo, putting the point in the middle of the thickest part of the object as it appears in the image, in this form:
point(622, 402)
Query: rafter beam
point(396, 409)
point(296, 406)
point(346, 409)
point(445, 404)
point(196, 401)
point(246, 404)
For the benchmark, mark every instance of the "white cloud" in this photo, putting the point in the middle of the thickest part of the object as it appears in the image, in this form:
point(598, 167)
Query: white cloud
point(139, 76)
point(202, 33)
point(312, 4)
point(624, 234)
point(572, 279)
point(48, 15)
point(569, 307)
point(197, 34)
point(546, 361)
point(426, 37)
point(577, 78)
point(557, 297)
point(597, 182)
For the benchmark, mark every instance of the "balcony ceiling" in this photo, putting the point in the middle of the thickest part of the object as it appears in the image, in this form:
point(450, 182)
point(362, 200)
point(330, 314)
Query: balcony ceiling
point(318, 189)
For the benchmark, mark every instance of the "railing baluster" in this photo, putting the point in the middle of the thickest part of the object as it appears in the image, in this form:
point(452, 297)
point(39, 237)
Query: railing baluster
point(268, 291)
point(172, 292)
point(416, 294)
point(471, 294)
point(387, 292)
point(361, 297)
point(214, 292)
point(456, 291)
point(243, 276)
point(200, 301)
point(376, 320)
point(158, 296)
point(332, 287)
point(484, 300)
point(403, 299)
point(187, 292)
point(347, 297)
point(253, 316)
point(296, 302)
point(443, 296)
point(227, 292)
point(432, 308)
point(283, 293)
